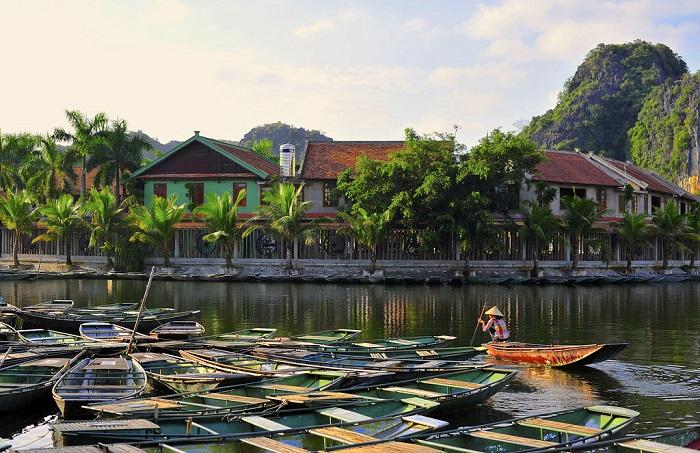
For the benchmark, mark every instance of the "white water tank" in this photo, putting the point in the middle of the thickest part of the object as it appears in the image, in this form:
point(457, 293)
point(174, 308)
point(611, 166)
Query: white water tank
point(287, 160)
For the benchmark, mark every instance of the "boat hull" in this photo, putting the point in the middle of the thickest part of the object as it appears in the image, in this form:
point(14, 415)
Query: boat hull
point(554, 355)
point(42, 321)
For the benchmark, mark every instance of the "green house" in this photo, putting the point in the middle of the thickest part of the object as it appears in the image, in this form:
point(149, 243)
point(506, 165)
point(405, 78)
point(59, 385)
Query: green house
point(202, 165)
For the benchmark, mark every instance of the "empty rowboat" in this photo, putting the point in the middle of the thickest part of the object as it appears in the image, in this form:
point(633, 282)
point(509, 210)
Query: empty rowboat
point(28, 382)
point(178, 330)
point(98, 379)
point(538, 433)
point(111, 333)
point(175, 374)
point(383, 344)
point(553, 355)
point(328, 336)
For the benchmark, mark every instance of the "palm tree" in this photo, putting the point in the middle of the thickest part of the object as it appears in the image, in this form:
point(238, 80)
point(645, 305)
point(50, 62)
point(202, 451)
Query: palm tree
point(579, 216)
point(693, 223)
point(120, 152)
point(16, 150)
point(264, 148)
point(633, 232)
point(107, 221)
point(669, 224)
point(86, 137)
point(17, 213)
point(368, 229)
point(220, 214)
point(62, 217)
point(156, 226)
point(283, 215)
point(539, 227)
point(52, 171)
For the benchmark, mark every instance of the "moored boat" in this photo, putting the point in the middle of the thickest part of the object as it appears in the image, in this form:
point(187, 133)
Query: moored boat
point(176, 374)
point(112, 333)
point(538, 433)
point(553, 355)
point(67, 321)
point(680, 440)
point(29, 381)
point(456, 353)
point(234, 361)
point(178, 330)
point(327, 336)
point(381, 344)
point(252, 334)
point(98, 379)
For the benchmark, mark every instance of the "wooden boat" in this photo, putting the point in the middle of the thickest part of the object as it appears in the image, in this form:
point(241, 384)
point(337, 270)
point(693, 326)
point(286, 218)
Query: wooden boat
point(236, 399)
point(178, 330)
point(553, 355)
point(327, 336)
point(339, 362)
point(38, 336)
point(234, 361)
point(98, 379)
point(54, 304)
point(538, 433)
point(29, 381)
point(456, 353)
point(175, 374)
point(383, 344)
point(392, 418)
point(109, 333)
point(70, 321)
point(680, 440)
point(447, 391)
point(252, 334)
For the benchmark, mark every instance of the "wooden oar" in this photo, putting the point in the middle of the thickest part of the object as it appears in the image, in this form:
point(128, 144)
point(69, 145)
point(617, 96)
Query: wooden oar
point(471, 342)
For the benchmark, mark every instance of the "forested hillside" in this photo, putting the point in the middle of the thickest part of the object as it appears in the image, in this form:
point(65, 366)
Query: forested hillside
point(281, 133)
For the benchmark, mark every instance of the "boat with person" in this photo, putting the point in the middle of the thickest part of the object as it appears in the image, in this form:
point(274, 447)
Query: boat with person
point(555, 430)
point(553, 355)
point(389, 417)
point(178, 330)
point(175, 374)
point(97, 379)
point(231, 400)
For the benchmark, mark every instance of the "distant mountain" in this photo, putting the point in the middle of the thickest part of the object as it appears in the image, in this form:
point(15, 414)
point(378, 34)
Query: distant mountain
point(600, 103)
point(158, 147)
point(281, 133)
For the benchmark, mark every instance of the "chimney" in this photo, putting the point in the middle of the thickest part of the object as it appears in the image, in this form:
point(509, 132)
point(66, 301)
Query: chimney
point(196, 133)
point(287, 160)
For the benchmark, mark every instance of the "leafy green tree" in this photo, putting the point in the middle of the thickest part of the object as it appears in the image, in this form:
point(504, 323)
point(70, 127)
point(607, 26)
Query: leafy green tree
point(119, 152)
point(156, 226)
point(107, 221)
point(669, 225)
point(633, 232)
point(52, 172)
point(87, 135)
point(368, 229)
point(17, 213)
point(539, 228)
point(220, 213)
point(282, 214)
point(264, 148)
point(693, 224)
point(63, 217)
point(579, 216)
point(16, 150)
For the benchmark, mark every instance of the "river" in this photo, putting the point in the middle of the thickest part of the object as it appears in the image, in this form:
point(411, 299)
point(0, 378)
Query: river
point(658, 374)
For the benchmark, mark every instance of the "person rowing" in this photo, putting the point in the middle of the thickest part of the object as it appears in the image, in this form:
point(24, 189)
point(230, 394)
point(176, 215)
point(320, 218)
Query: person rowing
point(496, 326)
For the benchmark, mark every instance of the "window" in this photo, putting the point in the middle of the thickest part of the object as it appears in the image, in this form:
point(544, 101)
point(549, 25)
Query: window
point(330, 195)
point(683, 207)
point(655, 202)
point(622, 204)
point(570, 192)
point(237, 188)
point(646, 203)
point(602, 199)
point(160, 190)
point(195, 192)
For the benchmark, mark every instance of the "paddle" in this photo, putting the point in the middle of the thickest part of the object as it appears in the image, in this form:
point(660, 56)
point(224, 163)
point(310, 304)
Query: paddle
point(471, 342)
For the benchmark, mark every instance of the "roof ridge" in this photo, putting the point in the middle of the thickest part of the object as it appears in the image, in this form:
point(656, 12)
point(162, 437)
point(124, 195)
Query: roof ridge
point(355, 141)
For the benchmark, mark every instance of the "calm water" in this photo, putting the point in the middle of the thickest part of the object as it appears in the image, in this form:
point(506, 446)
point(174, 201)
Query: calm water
point(659, 373)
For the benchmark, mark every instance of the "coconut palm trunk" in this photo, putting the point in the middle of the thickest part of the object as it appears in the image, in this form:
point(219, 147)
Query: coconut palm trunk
point(575, 239)
point(67, 245)
point(16, 238)
point(290, 255)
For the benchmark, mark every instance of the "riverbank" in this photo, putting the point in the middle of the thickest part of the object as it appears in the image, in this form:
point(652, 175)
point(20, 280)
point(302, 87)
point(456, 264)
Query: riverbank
point(396, 272)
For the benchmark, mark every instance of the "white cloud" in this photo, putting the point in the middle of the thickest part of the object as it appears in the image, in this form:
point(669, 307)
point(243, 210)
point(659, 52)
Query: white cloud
point(320, 25)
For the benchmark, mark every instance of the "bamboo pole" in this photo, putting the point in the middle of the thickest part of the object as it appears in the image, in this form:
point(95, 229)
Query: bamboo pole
point(141, 307)
point(471, 342)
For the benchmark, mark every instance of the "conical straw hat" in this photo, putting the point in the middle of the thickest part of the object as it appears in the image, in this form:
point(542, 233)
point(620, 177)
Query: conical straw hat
point(494, 311)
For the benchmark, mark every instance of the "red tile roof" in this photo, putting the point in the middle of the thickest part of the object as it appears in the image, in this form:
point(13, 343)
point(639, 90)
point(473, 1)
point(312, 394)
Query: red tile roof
point(250, 157)
point(655, 182)
point(325, 160)
point(566, 167)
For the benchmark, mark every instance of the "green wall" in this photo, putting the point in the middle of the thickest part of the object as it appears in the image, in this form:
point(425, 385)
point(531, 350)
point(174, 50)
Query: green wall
point(210, 186)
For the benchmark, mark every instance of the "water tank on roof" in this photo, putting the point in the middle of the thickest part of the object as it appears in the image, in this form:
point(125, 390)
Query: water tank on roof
point(287, 160)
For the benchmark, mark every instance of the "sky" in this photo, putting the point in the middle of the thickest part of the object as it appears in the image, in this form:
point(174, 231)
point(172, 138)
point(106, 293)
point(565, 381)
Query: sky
point(356, 70)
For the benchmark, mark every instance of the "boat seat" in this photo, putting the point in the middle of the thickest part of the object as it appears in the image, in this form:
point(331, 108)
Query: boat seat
point(650, 446)
point(342, 435)
point(369, 345)
point(417, 392)
point(315, 337)
point(451, 383)
point(553, 425)
point(426, 353)
point(235, 398)
point(264, 423)
point(510, 439)
point(403, 342)
point(386, 364)
point(425, 421)
point(316, 396)
point(286, 388)
point(344, 415)
point(271, 445)
point(431, 364)
point(378, 355)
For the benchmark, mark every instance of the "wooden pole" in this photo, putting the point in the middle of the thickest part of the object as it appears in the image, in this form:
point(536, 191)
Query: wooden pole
point(471, 342)
point(5, 356)
point(143, 304)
